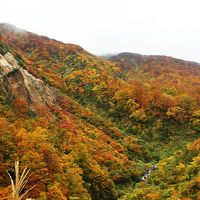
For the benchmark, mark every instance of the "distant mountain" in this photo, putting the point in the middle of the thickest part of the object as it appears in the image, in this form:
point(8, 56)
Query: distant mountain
point(128, 60)
point(90, 127)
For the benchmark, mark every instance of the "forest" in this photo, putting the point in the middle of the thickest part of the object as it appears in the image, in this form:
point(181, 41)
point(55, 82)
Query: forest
point(90, 127)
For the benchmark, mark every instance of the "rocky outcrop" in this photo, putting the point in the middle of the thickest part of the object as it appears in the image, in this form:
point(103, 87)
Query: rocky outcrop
point(18, 83)
point(7, 65)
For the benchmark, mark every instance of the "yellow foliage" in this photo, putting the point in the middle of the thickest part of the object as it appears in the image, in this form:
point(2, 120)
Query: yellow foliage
point(180, 167)
point(176, 113)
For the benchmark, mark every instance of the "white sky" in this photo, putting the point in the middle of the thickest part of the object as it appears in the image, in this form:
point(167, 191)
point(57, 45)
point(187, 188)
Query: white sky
point(165, 27)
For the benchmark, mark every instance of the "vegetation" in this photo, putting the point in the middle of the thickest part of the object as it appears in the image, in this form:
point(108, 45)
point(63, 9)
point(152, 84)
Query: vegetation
point(109, 124)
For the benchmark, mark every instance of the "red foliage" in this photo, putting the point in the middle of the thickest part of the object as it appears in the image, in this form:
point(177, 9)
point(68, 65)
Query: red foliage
point(21, 105)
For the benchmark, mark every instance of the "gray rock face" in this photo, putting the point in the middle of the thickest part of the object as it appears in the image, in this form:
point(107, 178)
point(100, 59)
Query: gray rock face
point(18, 83)
point(11, 60)
point(7, 64)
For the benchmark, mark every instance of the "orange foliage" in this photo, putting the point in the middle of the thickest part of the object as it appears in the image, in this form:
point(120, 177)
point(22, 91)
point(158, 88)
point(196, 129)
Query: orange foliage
point(5, 193)
point(153, 195)
point(21, 105)
point(194, 146)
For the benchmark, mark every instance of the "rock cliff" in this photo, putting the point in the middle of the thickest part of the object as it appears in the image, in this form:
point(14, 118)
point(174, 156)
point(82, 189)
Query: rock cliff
point(18, 83)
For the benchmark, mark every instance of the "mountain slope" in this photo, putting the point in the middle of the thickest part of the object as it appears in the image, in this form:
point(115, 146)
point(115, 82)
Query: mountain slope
point(90, 127)
point(175, 80)
point(17, 83)
point(62, 142)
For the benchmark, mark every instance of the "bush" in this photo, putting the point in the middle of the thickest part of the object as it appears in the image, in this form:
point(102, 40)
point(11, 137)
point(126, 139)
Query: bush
point(3, 48)
point(20, 60)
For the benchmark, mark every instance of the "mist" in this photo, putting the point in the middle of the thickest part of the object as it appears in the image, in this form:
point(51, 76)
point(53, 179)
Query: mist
point(108, 27)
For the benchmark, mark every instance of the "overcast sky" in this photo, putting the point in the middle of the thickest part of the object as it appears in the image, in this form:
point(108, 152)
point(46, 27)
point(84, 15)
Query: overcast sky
point(164, 27)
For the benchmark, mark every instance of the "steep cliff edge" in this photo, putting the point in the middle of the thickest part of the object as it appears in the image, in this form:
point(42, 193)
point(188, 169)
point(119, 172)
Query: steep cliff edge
point(18, 83)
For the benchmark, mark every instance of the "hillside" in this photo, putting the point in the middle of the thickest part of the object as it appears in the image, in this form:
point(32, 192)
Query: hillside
point(129, 60)
point(174, 80)
point(90, 127)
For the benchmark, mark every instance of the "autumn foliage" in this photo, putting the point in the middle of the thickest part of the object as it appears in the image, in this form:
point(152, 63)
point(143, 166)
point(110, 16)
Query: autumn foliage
point(110, 121)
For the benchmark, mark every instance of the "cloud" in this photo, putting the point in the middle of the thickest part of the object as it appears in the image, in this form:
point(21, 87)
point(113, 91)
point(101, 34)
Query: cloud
point(106, 26)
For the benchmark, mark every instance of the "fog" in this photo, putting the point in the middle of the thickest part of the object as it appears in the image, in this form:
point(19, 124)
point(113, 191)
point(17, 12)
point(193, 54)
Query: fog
point(161, 27)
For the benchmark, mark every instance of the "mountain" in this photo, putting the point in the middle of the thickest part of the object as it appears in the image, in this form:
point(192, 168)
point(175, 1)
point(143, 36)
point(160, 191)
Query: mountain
point(127, 60)
point(19, 84)
point(90, 127)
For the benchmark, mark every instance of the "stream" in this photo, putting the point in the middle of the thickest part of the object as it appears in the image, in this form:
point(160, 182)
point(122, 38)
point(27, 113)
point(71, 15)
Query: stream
point(148, 173)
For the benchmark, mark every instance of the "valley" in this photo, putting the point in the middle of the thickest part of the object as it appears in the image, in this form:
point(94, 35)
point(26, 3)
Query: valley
point(92, 128)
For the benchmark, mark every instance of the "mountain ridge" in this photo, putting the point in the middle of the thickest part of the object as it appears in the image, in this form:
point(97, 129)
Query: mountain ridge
point(94, 128)
point(138, 59)
point(7, 27)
